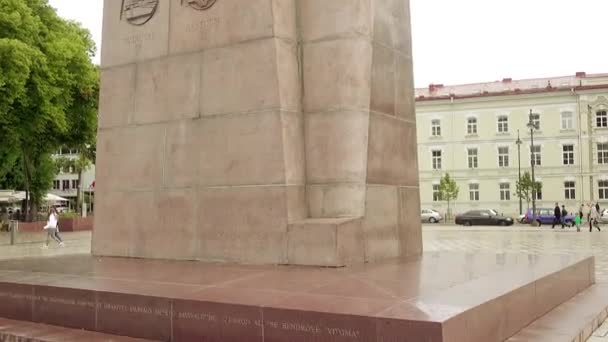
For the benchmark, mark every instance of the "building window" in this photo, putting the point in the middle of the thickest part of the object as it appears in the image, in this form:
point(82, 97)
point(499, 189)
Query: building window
point(505, 192)
point(471, 126)
point(601, 119)
point(56, 185)
point(474, 192)
point(570, 190)
point(539, 193)
point(436, 128)
point(75, 184)
point(473, 162)
point(568, 154)
point(567, 120)
point(602, 153)
point(436, 194)
point(66, 184)
point(503, 157)
point(536, 120)
point(536, 155)
point(503, 124)
point(603, 189)
point(436, 160)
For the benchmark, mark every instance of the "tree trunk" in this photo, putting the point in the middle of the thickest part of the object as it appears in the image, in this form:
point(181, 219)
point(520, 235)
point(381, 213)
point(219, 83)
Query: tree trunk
point(27, 215)
point(78, 195)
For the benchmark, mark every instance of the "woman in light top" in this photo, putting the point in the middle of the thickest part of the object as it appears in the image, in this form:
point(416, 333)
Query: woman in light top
point(51, 229)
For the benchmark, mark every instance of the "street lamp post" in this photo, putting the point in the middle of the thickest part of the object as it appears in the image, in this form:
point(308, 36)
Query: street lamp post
point(519, 142)
point(532, 127)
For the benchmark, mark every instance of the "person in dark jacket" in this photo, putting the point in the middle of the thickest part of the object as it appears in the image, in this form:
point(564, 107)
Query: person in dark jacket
point(563, 217)
point(557, 216)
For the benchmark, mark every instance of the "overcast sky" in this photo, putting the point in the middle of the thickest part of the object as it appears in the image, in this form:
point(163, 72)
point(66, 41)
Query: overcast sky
point(468, 41)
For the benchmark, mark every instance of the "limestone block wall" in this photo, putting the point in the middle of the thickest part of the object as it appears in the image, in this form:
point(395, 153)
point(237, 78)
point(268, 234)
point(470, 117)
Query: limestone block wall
point(200, 141)
point(221, 126)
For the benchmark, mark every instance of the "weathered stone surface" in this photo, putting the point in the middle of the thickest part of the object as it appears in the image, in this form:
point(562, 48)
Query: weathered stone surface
point(241, 78)
point(380, 224)
point(232, 123)
point(244, 149)
point(336, 146)
point(337, 75)
point(321, 19)
point(392, 151)
point(168, 89)
point(227, 22)
point(383, 80)
point(116, 96)
point(336, 200)
point(325, 242)
point(124, 43)
point(243, 224)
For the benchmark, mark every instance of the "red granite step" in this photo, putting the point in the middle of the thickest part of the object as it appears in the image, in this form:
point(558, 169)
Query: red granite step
point(11, 330)
point(572, 321)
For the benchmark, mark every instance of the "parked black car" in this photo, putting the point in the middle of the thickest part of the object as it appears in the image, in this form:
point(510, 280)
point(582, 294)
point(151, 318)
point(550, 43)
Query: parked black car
point(486, 217)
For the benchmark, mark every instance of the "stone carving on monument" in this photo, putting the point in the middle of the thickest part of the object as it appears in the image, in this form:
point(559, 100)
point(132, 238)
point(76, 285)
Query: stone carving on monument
point(138, 12)
point(200, 5)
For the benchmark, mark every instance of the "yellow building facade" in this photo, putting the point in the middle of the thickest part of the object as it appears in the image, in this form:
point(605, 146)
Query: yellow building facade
point(471, 132)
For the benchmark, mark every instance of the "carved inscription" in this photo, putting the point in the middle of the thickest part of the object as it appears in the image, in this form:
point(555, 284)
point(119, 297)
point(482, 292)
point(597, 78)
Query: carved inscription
point(136, 41)
point(302, 327)
point(138, 12)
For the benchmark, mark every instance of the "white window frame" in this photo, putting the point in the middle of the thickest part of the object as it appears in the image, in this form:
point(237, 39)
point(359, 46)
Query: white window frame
point(537, 155)
point(602, 188)
point(601, 119)
point(567, 156)
point(472, 125)
point(567, 120)
point(436, 127)
point(602, 153)
point(474, 192)
point(436, 194)
point(505, 191)
point(503, 159)
point(536, 120)
point(569, 190)
point(502, 127)
point(436, 161)
point(539, 195)
point(473, 158)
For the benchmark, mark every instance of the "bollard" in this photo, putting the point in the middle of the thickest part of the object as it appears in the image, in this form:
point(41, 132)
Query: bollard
point(13, 226)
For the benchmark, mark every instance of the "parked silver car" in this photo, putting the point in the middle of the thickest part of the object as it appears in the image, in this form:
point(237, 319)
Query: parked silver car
point(430, 216)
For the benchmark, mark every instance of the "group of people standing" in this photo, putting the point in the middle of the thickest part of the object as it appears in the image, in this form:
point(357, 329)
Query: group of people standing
point(589, 210)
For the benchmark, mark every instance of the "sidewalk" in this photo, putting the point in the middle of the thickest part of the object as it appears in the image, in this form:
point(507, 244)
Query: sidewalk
point(29, 245)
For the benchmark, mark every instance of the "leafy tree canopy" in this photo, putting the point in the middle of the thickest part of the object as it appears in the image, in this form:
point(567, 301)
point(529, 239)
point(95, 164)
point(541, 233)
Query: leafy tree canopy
point(48, 90)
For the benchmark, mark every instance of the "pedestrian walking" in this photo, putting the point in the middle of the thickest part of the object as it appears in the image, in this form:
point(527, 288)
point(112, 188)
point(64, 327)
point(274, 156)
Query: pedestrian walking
point(595, 216)
point(51, 229)
point(557, 214)
point(563, 217)
point(578, 220)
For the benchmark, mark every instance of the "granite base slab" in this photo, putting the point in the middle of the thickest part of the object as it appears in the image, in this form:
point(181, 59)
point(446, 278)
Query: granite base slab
point(441, 297)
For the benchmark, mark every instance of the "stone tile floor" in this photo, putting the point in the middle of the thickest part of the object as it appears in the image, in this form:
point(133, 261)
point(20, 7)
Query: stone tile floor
point(520, 239)
point(516, 239)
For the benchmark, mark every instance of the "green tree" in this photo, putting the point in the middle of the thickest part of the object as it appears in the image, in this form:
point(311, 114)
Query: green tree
point(525, 187)
point(448, 191)
point(48, 91)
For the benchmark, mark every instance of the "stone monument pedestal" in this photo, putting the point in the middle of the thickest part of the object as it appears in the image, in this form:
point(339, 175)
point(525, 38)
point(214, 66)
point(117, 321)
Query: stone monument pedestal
point(441, 297)
point(258, 131)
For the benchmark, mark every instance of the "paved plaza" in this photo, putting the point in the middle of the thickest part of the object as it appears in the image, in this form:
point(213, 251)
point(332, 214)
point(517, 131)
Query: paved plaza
point(498, 240)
